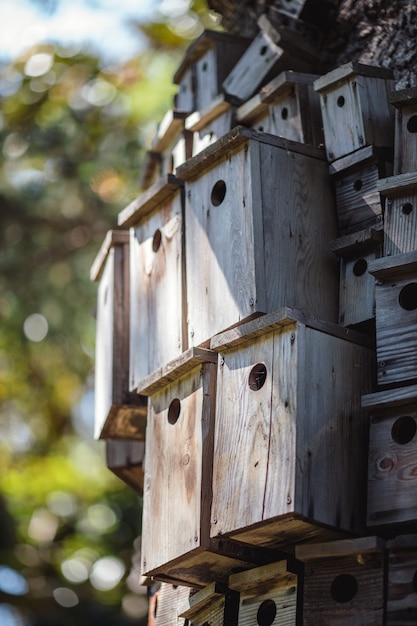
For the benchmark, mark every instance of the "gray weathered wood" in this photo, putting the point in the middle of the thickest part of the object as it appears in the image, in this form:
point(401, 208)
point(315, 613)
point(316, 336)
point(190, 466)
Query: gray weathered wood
point(209, 124)
point(405, 148)
point(400, 213)
point(171, 602)
point(150, 200)
point(401, 594)
point(390, 397)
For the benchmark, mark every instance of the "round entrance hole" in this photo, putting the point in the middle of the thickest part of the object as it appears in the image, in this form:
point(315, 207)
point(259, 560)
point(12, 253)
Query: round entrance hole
point(407, 208)
point(266, 613)
point(174, 411)
point(359, 267)
point(357, 185)
point(341, 101)
point(263, 51)
point(412, 124)
point(218, 193)
point(157, 240)
point(404, 429)
point(257, 377)
point(284, 113)
point(344, 588)
point(408, 297)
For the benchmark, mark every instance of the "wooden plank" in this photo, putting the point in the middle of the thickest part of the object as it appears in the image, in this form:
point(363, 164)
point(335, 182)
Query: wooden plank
point(251, 110)
point(147, 202)
point(359, 158)
point(395, 266)
point(390, 398)
point(254, 580)
point(208, 605)
point(199, 119)
point(345, 547)
point(395, 184)
point(125, 459)
point(283, 85)
point(348, 70)
point(112, 238)
point(357, 241)
point(171, 602)
point(169, 129)
point(173, 370)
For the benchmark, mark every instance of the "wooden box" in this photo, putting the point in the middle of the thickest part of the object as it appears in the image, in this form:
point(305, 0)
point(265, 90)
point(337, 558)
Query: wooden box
point(392, 465)
point(210, 124)
point(396, 318)
point(206, 64)
point(344, 582)
point(288, 107)
point(405, 146)
point(171, 601)
point(357, 286)
point(402, 581)
point(355, 178)
point(216, 605)
point(125, 459)
point(355, 108)
point(400, 213)
point(259, 216)
point(117, 413)
point(156, 277)
point(288, 422)
point(271, 594)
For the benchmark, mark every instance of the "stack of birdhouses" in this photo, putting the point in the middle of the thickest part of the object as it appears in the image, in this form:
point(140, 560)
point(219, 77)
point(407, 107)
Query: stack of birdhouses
point(237, 308)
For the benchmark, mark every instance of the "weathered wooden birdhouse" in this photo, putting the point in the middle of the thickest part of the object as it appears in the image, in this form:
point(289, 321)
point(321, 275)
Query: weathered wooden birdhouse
point(355, 108)
point(355, 178)
point(400, 219)
point(402, 581)
point(206, 64)
point(392, 465)
point(210, 124)
point(156, 277)
point(405, 146)
point(288, 107)
point(125, 459)
point(357, 286)
point(344, 582)
point(286, 425)
point(259, 216)
point(396, 318)
point(216, 605)
point(117, 413)
point(271, 594)
point(171, 601)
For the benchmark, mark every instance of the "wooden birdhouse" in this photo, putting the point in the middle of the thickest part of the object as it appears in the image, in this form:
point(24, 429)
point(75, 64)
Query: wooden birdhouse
point(405, 147)
point(156, 277)
point(259, 216)
point(206, 64)
point(355, 178)
point(400, 219)
point(117, 413)
point(396, 318)
point(392, 465)
point(355, 108)
point(216, 605)
point(344, 582)
point(288, 107)
point(172, 600)
point(125, 459)
point(357, 286)
point(210, 124)
point(402, 581)
point(288, 421)
point(271, 594)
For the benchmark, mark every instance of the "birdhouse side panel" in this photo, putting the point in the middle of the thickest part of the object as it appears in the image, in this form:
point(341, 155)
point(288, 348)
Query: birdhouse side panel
point(207, 79)
point(377, 112)
point(405, 146)
point(400, 222)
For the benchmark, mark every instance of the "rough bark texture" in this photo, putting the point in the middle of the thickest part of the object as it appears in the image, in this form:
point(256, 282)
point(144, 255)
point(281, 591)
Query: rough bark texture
point(377, 32)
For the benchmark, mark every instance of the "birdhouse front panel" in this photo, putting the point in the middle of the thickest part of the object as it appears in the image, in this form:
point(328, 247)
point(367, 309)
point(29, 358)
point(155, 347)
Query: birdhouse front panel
point(172, 600)
point(402, 586)
point(287, 424)
point(215, 604)
point(405, 146)
point(258, 217)
point(400, 214)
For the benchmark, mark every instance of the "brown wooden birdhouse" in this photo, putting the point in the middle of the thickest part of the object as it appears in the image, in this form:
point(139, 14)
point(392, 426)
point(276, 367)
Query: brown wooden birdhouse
point(402, 581)
point(400, 219)
point(259, 216)
point(355, 178)
point(392, 465)
point(355, 108)
point(405, 147)
point(117, 413)
point(287, 107)
point(357, 286)
point(216, 605)
point(396, 318)
point(290, 438)
point(156, 277)
point(271, 594)
point(344, 582)
point(206, 64)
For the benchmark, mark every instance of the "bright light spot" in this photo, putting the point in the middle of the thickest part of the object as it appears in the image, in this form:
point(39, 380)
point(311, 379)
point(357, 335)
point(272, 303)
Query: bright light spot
point(12, 582)
point(27, 554)
point(14, 146)
point(65, 597)
point(186, 26)
point(76, 570)
point(135, 606)
point(61, 504)
point(108, 185)
point(174, 7)
point(106, 573)
point(102, 517)
point(43, 525)
point(99, 92)
point(38, 64)
point(35, 327)
point(10, 616)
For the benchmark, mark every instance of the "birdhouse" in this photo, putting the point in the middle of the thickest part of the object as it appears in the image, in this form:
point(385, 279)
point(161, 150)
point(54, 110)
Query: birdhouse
point(271, 594)
point(117, 413)
point(355, 178)
point(405, 150)
point(156, 277)
point(288, 107)
point(210, 124)
point(400, 213)
point(344, 582)
point(392, 465)
point(259, 216)
point(396, 318)
point(292, 8)
point(125, 459)
point(206, 64)
point(402, 581)
point(216, 605)
point(357, 286)
point(355, 108)
point(171, 602)
point(288, 421)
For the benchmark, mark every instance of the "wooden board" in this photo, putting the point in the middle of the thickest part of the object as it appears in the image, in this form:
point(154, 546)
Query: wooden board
point(171, 602)
point(405, 102)
point(125, 459)
point(400, 213)
point(401, 593)
point(216, 605)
